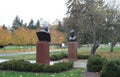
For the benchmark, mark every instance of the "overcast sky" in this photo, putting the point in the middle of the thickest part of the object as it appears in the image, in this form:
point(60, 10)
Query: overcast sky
point(49, 10)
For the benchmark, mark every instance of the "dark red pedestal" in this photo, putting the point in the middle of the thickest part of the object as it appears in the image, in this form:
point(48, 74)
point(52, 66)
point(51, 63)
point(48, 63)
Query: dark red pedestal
point(42, 52)
point(72, 50)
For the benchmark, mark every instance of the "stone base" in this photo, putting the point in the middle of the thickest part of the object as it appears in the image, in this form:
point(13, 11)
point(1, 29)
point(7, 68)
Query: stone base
point(42, 52)
point(72, 51)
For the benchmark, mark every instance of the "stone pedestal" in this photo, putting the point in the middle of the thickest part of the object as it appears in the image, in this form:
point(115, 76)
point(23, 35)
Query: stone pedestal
point(42, 52)
point(72, 50)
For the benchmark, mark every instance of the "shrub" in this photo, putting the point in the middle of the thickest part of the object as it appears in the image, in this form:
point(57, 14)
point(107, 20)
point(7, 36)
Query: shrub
point(6, 65)
point(55, 57)
point(22, 65)
point(18, 65)
point(58, 67)
point(83, 56)
point(111, 69)
point(52, 69)
point(58, 56)
point(37, 67)
point(64, 55)
point(95, 63)
point(64, 65)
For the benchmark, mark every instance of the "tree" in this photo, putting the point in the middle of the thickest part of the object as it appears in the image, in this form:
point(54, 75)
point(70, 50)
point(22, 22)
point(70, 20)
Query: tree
point(113, 23)
point(4, 27)
point(60, 27)
point(74, 8)
point(72, 21)
point(24, 36)
point(87, 17)
point(95, 21)
point(38, 23)
point(37, 26)
point(17, 23)
point(5, 37)
point(31, 24)
point(57, 37)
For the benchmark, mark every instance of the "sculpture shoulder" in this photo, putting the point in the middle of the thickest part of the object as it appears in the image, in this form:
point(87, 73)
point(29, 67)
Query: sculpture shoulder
point(43, 36)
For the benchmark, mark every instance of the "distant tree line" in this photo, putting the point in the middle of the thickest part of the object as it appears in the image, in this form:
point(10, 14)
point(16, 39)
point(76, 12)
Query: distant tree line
point(21, 34)
point(17, 22)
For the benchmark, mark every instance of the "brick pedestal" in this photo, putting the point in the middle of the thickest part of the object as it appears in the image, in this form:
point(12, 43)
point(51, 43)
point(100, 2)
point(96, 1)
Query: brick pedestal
point(42, 52)
point(72, 50)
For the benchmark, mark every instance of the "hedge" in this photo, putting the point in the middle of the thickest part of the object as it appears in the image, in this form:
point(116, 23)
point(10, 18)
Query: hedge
point(111, 69)
point(22, 65)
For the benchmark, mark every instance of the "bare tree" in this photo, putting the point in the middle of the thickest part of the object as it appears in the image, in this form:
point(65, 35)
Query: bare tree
point(113, 23)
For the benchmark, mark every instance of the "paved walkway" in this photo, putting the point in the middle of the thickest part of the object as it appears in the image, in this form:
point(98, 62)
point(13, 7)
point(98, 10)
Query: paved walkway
point(90, 74)
point(18, 53)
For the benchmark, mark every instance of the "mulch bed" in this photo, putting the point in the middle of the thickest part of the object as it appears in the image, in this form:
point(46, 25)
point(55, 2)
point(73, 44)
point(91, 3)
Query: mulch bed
point(91, 74)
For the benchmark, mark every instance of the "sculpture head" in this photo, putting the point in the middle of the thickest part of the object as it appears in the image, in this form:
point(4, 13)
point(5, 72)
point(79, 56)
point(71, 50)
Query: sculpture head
point(72, 33)
point(43, 34)
point(44, 28)
point(72, 36)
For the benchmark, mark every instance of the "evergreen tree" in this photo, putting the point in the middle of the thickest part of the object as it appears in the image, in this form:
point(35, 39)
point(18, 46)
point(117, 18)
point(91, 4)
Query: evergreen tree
point(17, 23)
point(31, 24)
point(60, 27)
point(37, 24)
point(4, 27)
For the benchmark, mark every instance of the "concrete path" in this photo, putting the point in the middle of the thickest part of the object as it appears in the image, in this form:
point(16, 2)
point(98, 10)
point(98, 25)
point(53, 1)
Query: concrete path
point(80, 63)
point(18, 53)
point(91, 74)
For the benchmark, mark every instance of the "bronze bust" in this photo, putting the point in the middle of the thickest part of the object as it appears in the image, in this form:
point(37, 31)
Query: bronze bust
point(43, 34)
point(72, 37)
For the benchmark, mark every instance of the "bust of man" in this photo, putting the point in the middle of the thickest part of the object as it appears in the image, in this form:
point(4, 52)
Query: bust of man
point(72, 36)
point(43, 34)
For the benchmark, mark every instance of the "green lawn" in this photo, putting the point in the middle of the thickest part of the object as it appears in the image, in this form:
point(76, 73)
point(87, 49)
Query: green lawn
point(102, 50)
point(20, 56)
point(17, 49)
point(28, 56)
point(73, 73)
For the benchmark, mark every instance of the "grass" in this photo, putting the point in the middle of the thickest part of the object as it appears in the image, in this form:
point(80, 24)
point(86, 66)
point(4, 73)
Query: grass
point(102, 50)
point(72, 73)
point(20, 56)
point(17, 49)
point(13, 48)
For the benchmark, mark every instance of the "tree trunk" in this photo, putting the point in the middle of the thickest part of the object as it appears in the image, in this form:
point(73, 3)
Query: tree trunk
point(112, 46)
point(94, 48)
